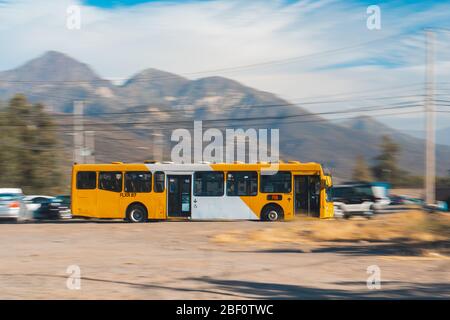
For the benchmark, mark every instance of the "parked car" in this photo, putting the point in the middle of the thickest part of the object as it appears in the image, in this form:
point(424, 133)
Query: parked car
point(414, 201)
point(64, 209)
point(397, 200)
point(443, 194)
point(12, 205)
point(43, 207)
point(352, 200)
point(380, 193)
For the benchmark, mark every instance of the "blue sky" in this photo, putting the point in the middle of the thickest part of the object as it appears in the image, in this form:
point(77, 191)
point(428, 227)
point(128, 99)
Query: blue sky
point(109, 4)
point(124, 3)
point(321, 47)
point(418, 4)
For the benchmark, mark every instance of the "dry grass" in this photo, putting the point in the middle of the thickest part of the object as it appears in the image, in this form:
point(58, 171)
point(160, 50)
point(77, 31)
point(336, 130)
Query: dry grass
point(412, 227)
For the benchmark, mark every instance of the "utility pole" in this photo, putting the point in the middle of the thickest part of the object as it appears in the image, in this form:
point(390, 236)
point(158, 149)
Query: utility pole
point(158, 145)
point(430, 152)
point(78, 132)
point(89, 146)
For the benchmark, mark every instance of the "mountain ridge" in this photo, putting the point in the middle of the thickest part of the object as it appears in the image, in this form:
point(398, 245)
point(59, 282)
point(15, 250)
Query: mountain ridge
point(159, 97)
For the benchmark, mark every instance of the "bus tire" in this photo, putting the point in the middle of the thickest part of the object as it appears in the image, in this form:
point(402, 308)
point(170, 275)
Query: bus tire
point(272, 212)
point(136, 213)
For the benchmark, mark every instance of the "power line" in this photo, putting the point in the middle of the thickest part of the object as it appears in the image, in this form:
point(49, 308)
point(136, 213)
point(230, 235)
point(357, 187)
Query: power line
point(395, 88)
point(248, 119)
point(205, 127)
point(254, 124)
point(236, 107)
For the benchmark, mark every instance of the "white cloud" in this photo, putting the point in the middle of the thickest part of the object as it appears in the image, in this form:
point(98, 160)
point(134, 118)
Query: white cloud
point(198, 36)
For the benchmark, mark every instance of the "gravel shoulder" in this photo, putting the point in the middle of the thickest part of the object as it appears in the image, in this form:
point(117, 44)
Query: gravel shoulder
point(197, 260)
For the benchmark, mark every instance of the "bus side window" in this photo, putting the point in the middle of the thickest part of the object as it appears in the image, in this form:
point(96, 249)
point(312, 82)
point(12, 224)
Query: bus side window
point(159, 179)
point(110, 181)
point(138, 181)
point(208, 184)
point(279, 182)
point(86, 180)
point(242, 183)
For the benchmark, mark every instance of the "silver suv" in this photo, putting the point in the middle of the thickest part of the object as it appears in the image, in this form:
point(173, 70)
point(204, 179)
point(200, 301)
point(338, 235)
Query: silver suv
point(351, 200)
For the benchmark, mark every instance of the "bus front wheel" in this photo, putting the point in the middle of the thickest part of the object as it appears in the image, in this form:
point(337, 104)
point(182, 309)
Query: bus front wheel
point(272, 213)
point(136, 213)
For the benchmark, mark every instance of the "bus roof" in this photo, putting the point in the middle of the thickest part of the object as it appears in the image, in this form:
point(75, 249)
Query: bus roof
point(311, 166)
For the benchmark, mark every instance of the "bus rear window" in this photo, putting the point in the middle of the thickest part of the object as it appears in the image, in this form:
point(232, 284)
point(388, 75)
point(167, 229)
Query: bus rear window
point(86, 180)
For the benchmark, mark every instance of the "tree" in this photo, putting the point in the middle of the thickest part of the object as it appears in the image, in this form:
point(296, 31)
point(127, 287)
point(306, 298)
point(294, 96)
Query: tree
point(3, 149)
point(28, 150)
point(386, 168)
point(361, 171)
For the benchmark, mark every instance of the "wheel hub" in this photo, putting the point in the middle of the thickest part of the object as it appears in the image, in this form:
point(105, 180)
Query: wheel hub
point(273, 215)
point(136, 215)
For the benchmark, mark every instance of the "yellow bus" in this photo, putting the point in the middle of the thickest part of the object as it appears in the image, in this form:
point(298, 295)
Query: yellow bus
point(225, 191)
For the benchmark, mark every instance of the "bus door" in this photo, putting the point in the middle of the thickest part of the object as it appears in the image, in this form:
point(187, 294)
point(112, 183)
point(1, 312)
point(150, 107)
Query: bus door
point(108, 194)
point(179, 195)
point(84, 197)
point(307, 195)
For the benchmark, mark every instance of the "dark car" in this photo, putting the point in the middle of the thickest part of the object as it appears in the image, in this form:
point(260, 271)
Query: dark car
point(44, 207)
point(397, 200)
point(443, 194)
point(64, 209)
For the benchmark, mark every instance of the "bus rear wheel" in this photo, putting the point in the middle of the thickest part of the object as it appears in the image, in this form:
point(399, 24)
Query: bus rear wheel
point(272, 213)
point(136, 213)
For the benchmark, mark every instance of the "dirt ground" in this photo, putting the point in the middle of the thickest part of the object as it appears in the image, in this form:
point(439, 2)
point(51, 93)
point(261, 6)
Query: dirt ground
point(220, 260)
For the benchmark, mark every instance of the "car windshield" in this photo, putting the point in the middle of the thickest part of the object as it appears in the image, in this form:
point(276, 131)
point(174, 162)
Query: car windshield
point(364, 191)
point(64, 199)
point(345, 192)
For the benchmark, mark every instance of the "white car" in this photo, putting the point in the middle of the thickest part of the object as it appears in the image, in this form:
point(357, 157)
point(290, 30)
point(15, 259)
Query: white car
point(12, 205)
point(381, 198)
point(352, 200)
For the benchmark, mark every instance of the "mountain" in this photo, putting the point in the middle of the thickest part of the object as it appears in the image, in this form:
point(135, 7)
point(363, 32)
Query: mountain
point(368, 125)
point(442, 135)
point(52, 66)
point(152, 85)
point(152, 103)
point(412, 148)
point(56, 80)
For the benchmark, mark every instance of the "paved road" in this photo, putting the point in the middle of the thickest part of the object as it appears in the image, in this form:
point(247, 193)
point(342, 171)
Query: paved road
point(179, 260)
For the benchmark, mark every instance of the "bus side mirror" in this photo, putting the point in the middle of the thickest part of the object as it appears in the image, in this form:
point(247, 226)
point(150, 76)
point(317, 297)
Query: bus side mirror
point(327, 182)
